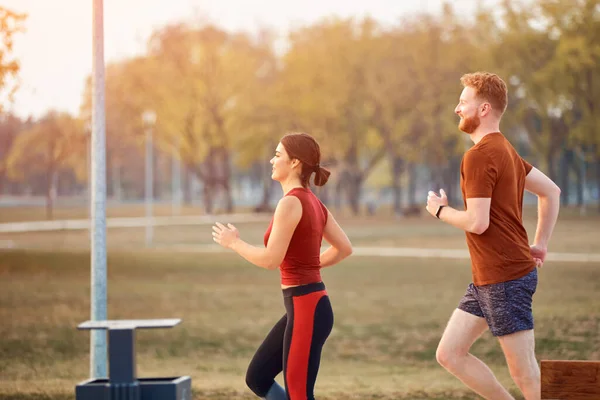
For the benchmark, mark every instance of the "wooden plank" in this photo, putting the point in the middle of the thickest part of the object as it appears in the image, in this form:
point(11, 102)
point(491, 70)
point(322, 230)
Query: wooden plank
point(570, 380)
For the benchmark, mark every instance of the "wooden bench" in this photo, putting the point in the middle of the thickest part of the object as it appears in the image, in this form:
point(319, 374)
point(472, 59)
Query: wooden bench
point(570, 380)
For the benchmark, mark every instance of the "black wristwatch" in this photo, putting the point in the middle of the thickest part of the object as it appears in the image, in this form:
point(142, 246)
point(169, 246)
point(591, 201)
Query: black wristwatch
point(439, 210)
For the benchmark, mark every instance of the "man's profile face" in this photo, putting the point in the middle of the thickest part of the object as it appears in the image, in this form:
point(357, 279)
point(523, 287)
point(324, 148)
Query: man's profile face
point(468, 111)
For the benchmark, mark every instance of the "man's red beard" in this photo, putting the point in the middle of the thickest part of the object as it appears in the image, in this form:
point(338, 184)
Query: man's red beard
point(469, 124)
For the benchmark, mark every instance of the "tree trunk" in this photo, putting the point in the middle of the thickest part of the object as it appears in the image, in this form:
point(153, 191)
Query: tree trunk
point(324, 194)
point(50, 193)
point(208, 197)
point(209, 181)
point(579, 167)
point(354, 179)
point(580, 186)
point(447, 182)
point(454, 193)
point(2, 180)
point(412, 184)
point(116, 182)
point(228, 197)
point(267, 185)
point(436, 179)
point(397, 170)
point(339, 189)
point(565, 164)
point(225, 179)
point(598, 177)
point(354, 192)
point(550, 157)
point(187, 186)
point(157, 180)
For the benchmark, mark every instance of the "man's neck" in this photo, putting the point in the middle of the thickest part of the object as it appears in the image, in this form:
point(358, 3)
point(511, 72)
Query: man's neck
point(482, 132)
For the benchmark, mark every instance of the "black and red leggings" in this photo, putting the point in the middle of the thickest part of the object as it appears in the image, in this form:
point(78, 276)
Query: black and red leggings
point(294, 344)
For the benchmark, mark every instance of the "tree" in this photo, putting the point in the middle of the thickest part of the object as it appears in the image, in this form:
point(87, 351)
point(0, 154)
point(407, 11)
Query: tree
point(262, 119)
point(44, 150)
point(324, 82)
point(202, 73)
point(128, 94)
point(10, 126)
point(576, 27)
point(10, 24)
point(413, 72)
point(529, 49)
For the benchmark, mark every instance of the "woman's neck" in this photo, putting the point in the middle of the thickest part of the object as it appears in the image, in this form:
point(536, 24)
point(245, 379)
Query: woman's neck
point(290, 184)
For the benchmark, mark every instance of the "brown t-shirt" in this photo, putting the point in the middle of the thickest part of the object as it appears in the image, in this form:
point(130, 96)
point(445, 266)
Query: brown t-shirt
point(492, 168)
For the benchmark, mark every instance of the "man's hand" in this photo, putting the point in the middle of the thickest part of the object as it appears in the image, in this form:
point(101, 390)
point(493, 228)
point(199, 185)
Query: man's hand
point(539, 254)
point(434, 201)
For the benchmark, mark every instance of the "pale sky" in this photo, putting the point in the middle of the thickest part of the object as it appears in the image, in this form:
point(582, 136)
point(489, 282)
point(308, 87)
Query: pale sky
point(55, 52)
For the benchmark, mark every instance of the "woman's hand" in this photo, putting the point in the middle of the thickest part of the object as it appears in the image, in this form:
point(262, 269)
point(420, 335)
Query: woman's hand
point(225, 235)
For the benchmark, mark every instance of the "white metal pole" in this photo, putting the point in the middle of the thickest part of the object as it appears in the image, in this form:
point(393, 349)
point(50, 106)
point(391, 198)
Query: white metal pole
point(98, 348)
point(149, 186)
point(176, 181)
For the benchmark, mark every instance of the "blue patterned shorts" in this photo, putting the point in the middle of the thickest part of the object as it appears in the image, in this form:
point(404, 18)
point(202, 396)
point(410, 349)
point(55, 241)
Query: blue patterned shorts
point(506, 306)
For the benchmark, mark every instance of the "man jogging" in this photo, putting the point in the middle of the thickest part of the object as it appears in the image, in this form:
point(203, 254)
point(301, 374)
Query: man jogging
point(493, 180)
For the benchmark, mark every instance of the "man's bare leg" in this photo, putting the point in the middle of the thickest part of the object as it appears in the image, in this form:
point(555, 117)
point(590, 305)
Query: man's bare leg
point(519, 350)
point(453, 354)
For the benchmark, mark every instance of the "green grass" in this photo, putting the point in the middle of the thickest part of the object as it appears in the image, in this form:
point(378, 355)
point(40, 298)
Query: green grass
point(572, 234)
point(389, 312)
point(37, 213)
point(77, 208)
point(389, 316)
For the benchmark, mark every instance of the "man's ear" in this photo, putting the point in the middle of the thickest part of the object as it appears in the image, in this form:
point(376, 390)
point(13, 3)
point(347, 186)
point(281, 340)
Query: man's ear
point(486, 108)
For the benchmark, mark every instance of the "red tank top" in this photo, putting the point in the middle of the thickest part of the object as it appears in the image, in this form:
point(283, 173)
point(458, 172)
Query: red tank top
point(302, 262)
